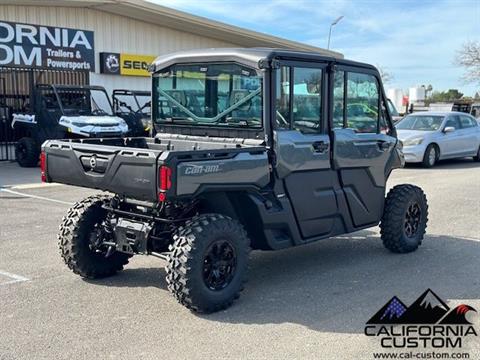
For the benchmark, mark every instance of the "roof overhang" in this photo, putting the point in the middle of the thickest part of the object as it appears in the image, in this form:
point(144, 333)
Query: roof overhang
point(179, 20)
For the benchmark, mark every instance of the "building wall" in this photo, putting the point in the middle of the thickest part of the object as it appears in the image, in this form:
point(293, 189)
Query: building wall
point(113, 33)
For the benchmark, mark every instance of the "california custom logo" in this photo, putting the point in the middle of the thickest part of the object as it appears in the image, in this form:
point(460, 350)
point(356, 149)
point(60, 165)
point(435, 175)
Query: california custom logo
point(427, 322)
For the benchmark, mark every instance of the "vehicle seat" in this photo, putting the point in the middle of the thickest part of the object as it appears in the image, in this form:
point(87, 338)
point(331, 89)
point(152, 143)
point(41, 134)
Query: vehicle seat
point(178, 95)
point(181, 97)
point(236, 96)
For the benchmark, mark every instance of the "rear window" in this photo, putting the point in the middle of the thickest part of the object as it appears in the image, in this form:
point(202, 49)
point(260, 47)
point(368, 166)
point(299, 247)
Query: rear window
point(226, 94)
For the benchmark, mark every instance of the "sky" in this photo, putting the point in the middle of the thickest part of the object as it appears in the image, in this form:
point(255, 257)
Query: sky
point(415, 41)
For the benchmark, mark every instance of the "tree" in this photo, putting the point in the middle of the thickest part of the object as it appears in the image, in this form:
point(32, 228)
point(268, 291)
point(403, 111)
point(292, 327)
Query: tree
point(469, 57)
point(446, 96)
point(428, 89)
point(385, 75)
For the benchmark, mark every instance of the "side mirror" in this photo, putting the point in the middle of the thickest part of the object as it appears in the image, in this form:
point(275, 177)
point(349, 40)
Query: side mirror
point(448, 129)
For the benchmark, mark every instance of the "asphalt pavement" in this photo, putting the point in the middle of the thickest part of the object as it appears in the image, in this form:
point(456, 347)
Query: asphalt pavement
point(307, 302)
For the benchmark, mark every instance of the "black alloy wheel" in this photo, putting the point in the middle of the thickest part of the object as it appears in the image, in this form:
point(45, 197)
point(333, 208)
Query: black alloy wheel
point(413, 216)
point(219, 265)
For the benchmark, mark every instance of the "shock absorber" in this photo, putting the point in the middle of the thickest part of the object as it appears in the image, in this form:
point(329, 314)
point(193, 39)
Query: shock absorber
point(114, 203)
point(108, 227)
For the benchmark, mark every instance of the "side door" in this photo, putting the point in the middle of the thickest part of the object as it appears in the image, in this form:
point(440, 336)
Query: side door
point(469, 135)
point(363, 141)
point(451, 143)
point(302, 146)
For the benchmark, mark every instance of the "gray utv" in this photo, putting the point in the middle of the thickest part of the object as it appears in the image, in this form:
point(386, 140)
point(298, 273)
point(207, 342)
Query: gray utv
point(255, 149)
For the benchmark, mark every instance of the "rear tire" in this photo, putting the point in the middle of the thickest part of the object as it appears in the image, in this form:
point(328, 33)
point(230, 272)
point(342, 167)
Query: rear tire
point(208, 261)
point(477, 157)
point(430, 157)
point(74, 239)
point(27, 152)
point(404, 219)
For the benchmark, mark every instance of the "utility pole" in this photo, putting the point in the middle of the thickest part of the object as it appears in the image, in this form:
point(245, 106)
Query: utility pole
point(330, 32)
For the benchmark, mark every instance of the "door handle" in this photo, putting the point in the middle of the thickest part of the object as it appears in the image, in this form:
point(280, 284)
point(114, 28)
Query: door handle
point(320, 147)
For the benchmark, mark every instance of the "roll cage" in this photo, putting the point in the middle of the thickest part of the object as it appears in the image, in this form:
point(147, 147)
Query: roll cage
point(41, 89)
point(118, 104)
point(266, 61)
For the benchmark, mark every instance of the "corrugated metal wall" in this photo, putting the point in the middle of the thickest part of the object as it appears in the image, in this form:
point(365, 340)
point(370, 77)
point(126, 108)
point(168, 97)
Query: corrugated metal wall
point(113, 33)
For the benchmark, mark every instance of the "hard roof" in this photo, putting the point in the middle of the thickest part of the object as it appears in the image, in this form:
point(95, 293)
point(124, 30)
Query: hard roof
point(437, 113)
point(248, 56)
point(163, 16)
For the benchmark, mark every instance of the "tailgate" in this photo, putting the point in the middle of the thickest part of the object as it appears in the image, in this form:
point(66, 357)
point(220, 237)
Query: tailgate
point(124, 171)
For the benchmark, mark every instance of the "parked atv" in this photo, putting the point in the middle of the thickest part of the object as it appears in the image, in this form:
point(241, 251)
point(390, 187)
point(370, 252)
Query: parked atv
point(64, 111)
point(134, 106)
point(248, 155)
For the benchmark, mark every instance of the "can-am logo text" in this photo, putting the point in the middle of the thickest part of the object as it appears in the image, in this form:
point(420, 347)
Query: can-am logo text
point(201, 169)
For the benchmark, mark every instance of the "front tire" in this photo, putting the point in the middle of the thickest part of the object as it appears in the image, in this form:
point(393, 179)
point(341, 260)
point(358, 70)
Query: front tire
point(83, 221)
point(404, 219)
point(430, 157)
point(208, 261)
point(27, 152)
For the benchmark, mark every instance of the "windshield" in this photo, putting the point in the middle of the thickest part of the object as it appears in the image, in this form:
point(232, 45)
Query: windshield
point(84, 102)
point(208, 94)
point(132, 103)
point(391, 108)
point(423, 123)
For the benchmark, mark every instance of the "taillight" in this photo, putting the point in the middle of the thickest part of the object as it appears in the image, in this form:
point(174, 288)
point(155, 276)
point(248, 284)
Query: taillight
point(164, 182)
point(43, 166)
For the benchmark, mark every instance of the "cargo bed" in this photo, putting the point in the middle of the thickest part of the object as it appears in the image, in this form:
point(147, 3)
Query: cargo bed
point(129, 166)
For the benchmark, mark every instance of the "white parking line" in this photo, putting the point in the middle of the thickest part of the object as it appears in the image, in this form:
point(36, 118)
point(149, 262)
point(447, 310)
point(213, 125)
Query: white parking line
point(33, 186)
point(15, 278)
point(35, 196)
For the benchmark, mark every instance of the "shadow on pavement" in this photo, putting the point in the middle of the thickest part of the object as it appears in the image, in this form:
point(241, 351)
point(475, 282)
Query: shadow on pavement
point(138, 277)
point(338, 284)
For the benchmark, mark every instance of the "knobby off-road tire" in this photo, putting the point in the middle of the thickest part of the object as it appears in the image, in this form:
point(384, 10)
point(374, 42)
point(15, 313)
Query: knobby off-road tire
point(190, 277)
point(74, 240)
point(27, 152)
point(404, 219)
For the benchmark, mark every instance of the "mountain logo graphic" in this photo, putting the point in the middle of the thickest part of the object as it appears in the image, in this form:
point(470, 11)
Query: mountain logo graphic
point(429, 308)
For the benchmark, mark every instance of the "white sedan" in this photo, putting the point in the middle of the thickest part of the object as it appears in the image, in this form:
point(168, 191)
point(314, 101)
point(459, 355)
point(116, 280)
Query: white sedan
point(431, 136)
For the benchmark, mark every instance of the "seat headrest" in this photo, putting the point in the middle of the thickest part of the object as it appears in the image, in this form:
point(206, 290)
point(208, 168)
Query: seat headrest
point(179, 95)
point(237, 95)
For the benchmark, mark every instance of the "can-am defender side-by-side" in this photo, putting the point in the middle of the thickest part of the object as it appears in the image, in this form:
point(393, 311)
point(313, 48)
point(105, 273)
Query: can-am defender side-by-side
point(61, 112)
point(134, 106)
point(255, 149)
